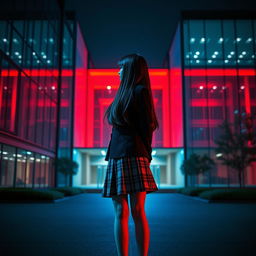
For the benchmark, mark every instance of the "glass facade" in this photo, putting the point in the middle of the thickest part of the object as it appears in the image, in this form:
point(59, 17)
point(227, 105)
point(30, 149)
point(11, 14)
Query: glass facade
point(25, 168)
point(217, 59)
point(36, 92)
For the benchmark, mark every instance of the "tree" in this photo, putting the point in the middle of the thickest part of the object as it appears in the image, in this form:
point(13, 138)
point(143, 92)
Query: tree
point(66, 166)
point(236, 146)
point(196, 164)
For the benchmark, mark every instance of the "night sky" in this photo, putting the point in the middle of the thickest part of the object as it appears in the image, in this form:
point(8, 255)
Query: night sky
point(113, 28)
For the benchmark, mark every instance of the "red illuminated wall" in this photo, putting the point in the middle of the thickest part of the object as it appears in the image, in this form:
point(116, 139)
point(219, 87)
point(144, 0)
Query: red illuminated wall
point(102, 85)
point(176, 110)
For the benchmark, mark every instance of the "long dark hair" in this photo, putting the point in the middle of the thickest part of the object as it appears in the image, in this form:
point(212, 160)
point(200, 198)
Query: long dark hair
point(135, 71)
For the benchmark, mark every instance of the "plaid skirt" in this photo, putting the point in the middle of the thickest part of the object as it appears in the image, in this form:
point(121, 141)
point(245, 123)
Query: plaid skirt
point(127, 175)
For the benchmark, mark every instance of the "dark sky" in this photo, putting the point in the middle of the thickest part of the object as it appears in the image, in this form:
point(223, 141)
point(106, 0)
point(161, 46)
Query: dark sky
point(114, 28)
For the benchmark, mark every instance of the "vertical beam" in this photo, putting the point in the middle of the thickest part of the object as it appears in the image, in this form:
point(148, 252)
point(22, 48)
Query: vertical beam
point(60, 50)
point(183, 94)
point(73, 95)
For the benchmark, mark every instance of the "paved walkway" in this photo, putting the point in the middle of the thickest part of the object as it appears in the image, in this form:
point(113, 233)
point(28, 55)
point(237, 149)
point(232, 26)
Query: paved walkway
point(83, 226)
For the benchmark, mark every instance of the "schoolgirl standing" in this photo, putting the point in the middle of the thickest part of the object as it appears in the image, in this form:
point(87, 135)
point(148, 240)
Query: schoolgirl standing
point(133, 119)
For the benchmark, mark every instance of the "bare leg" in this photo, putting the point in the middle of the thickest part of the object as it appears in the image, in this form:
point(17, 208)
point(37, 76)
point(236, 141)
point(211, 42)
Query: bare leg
point(142, 230)
point(121, 230)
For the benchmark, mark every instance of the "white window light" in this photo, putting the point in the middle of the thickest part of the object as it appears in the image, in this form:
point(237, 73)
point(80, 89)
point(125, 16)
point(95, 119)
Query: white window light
point(195, 56)
point(238, 39)
point(202, 40)
point(216, 53)
point(214, 56)
point(243, 52)
point(232, 53)
point(192, 40)
point(221, 40)
point(197, 61)
point(226, 61)
point(197, 53)
point(229, 56)
point(209, 61)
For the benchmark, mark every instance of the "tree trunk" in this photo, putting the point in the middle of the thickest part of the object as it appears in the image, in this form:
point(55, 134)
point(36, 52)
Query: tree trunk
point(243, 177)
point(240, 178)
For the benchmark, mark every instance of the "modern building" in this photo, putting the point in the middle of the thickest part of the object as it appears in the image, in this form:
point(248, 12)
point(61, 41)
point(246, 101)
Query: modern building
point(39, 45)
point(213, 59)
point(210, 76)
point(52, 97)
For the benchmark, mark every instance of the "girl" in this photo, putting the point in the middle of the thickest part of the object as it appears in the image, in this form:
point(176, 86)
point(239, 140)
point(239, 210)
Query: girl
point(133, 119)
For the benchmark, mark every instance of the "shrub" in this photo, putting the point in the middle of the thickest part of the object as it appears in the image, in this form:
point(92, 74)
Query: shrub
point(230, 194)
point(29, 194)
point(68, 191)
point(192, 191)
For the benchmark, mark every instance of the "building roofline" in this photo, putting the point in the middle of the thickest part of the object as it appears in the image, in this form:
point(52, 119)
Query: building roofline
point(218, 14)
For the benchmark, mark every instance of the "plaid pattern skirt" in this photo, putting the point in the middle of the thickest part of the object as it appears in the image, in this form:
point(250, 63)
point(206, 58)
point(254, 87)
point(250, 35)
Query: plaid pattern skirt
point(127, 175)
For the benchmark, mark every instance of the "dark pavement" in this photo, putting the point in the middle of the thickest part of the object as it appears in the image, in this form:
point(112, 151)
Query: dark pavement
point(83, 226)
